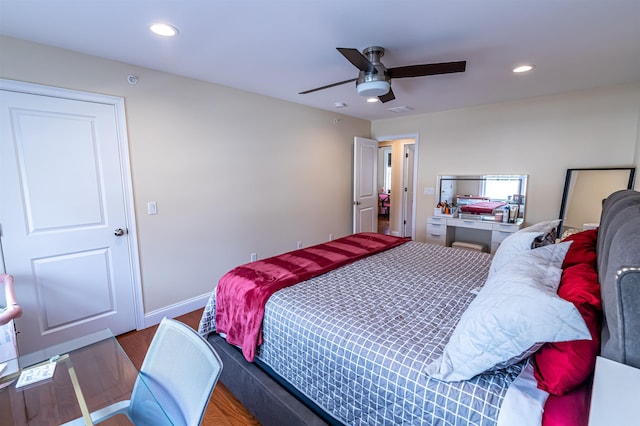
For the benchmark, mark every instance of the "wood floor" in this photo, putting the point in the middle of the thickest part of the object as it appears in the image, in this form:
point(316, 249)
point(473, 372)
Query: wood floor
point(224, 409)
point(383, 224)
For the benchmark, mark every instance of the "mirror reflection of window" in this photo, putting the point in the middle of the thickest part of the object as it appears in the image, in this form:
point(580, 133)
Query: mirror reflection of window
point(470, 189)
point(501, 188)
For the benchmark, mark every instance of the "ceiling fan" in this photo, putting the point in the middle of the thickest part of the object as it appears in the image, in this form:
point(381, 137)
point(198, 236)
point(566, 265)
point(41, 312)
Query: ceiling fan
point(374, 78)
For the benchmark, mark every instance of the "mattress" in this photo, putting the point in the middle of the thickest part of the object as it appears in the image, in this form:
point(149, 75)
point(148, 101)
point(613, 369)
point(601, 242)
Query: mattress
point(355, 340)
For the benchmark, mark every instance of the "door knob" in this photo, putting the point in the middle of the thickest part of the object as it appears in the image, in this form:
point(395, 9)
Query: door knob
point(119, 232)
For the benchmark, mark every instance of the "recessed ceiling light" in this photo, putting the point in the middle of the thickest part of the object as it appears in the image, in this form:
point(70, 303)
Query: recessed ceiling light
point(372, 100)
point(340, 105)
point(165, 30)
point(523, 68)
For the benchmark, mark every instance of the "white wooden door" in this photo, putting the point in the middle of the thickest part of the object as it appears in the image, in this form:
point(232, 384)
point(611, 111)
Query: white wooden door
point(409, 191)
point(365, 193)
point(63, 198)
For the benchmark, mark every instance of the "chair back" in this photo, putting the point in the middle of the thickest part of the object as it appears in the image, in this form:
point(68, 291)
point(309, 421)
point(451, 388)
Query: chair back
point(181, 370)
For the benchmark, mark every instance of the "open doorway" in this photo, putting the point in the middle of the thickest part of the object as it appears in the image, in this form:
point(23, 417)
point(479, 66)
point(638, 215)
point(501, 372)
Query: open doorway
point(396, 193)
point(385, 175)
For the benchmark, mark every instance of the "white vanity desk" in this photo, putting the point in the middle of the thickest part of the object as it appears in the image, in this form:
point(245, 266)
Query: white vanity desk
point(445, 230)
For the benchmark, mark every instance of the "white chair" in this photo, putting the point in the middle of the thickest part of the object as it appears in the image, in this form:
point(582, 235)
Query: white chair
point(180, 369)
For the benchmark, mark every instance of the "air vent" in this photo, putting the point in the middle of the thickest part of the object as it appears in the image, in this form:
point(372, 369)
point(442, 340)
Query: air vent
point(400, 109)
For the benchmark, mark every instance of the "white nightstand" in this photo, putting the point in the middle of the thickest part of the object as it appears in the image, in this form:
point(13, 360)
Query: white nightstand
point(616, 395)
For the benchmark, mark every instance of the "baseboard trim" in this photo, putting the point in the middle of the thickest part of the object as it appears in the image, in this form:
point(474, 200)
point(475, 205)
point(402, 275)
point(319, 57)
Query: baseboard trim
point(175, 310)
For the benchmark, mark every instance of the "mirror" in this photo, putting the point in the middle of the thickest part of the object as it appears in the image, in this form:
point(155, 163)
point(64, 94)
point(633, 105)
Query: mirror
point(584, 192)
point(482, 197)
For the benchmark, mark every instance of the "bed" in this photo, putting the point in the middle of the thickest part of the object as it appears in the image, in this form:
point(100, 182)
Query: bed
point(374, 341)
point(482, 207)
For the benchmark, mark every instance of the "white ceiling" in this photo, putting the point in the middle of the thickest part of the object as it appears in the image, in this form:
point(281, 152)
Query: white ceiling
point(281, 47)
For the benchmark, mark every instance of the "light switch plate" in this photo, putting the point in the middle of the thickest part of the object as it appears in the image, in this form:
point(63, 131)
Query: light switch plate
point(152, 207)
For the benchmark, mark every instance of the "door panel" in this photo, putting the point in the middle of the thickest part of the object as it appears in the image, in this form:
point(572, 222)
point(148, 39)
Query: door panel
point(365, 194)
point(57, 285)
point(367, 220)
point(75, 173)
point(62, 198)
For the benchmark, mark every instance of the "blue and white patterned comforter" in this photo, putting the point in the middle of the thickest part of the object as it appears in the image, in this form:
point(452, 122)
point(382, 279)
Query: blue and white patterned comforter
point(356, 340)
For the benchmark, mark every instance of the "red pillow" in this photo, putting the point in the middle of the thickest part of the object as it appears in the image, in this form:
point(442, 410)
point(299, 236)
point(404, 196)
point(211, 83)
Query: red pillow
point(583, 249)
point(571, 409)
point(579, 285)
point(562, 366)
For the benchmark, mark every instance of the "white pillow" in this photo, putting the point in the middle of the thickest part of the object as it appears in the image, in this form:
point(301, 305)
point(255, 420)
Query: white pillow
point(515, 310)
point(512, 246)
point(545, 226)
point(519, 242)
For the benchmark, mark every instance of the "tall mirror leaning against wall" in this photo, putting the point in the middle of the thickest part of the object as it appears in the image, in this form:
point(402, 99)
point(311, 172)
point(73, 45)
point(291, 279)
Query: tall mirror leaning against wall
point(584, 192)
point(484, 197)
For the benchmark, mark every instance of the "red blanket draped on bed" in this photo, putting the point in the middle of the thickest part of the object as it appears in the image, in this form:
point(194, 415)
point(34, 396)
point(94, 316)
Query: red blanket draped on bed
point(483, 207)
point(243, 292)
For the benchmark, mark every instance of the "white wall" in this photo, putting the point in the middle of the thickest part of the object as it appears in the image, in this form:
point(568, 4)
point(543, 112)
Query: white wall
point(232, 172)
point(235, 173)
point(540, 137)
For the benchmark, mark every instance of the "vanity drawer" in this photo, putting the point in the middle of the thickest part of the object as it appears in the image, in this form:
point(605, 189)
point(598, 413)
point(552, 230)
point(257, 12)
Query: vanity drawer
point(507, 227)
point(499, 236)
point(502, 231)
point(435, 220)
point(436, 230)
point(437, 239)
point(473, 224)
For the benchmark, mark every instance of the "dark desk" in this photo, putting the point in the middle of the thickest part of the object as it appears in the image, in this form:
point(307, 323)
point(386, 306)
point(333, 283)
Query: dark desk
point(91, 373)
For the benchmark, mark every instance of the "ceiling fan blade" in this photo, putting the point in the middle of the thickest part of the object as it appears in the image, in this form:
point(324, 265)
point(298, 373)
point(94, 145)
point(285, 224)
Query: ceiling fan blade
point(389, 96)
point(427, 69)
point(358, 59)
point(327, 86)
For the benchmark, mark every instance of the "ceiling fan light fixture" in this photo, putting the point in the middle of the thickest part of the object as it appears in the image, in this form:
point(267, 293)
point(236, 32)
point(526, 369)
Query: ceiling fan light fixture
point(164, 30)
point(373, 88)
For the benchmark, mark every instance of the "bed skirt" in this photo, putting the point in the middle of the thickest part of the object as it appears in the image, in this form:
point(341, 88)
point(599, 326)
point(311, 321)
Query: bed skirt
point(263, 396)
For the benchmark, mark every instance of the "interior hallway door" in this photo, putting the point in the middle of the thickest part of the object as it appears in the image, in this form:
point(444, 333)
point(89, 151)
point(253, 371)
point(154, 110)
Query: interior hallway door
point(408, 190)
point(365, 178)
point(67, 229)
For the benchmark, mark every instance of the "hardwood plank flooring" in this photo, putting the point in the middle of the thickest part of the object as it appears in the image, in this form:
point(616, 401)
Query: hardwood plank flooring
point(224, 409)
point(383, 225)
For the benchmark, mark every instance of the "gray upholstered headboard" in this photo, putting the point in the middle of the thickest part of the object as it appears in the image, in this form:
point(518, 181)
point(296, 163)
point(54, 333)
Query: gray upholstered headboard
point(619, 275)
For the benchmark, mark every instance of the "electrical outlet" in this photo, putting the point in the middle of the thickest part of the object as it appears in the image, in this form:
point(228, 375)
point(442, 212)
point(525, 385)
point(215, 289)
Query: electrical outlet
point(299, 245)
point(254, 257)
point(330, 237)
